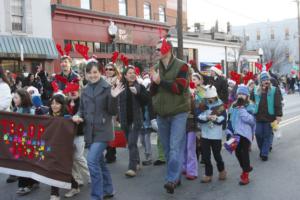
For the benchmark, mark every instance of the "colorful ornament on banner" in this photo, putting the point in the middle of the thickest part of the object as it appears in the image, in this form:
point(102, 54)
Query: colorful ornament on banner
point(25, 142)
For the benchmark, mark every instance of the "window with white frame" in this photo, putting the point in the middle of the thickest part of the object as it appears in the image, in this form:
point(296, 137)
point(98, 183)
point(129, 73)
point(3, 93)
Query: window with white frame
point(287, 33)
point(272, 34)
point(123, 7)
point(147, 11)
point(17, 15)
point(85, 4)
point(162, 14)
point(258, 35)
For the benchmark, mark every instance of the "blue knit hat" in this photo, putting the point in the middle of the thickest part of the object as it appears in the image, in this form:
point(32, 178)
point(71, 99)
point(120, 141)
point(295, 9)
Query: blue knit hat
point(243, 89)
point(264, 76)
point(37, 101)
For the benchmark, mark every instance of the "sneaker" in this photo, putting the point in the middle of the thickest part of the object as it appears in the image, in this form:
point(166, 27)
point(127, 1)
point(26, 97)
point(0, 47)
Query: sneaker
point(147, 162)
point(264, 158)
point(54, 197)
point(206, 179)
point(190, 177)
point(108, 196)
point(72, 192)
point(20, 190)
point(23, 191)
point(222, 175)
point(11, 179)
point(130, 173)
point(170, 187)
point(159, 162)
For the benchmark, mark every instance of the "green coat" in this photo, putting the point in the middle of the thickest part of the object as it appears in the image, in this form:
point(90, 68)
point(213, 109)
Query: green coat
point(171, 97)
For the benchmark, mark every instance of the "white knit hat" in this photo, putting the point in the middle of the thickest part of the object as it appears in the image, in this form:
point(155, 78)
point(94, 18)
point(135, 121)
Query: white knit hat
point(210, 92)
point(218, 69)
point(33, 91)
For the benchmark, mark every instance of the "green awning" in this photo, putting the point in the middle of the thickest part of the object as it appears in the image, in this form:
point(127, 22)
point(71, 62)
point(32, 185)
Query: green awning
point(38, 48)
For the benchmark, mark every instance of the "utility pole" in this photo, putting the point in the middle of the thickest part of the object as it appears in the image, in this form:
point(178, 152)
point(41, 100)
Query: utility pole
point(179, 30)
point(298, 2)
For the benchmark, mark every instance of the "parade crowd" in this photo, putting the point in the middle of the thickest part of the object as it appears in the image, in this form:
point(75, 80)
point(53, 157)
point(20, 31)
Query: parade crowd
point(193, 113)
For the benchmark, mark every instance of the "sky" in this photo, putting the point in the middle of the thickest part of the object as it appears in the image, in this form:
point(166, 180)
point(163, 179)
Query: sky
point(239, 12)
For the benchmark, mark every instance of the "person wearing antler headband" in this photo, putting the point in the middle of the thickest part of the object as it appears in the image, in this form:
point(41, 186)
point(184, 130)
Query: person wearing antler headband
point(80, 169)
point(67, 74)
point(171, 102)
point(268, 110)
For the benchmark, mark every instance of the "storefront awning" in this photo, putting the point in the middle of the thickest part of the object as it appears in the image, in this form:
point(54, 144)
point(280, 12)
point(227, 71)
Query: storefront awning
point(34, 48)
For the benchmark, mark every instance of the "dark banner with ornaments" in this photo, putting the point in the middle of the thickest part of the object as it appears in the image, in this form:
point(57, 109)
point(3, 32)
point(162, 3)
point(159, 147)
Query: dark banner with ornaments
point(38, 147)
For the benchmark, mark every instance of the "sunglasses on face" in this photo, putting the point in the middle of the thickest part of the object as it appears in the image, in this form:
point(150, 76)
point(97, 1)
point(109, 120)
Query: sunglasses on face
point(109, 69)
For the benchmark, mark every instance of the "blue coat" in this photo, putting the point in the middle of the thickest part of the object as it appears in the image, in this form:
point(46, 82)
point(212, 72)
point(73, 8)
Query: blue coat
point(242, 122)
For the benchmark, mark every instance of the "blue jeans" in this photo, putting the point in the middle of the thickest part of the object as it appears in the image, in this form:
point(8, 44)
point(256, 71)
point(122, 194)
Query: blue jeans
point(172, 134)
point(100, 175)
point(264, 137)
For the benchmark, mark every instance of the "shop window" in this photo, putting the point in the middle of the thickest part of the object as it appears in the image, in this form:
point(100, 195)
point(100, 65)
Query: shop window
point(109, 48)
point(128, 48)
point(97, 47)
point(74, 42)
point(102, 47)
point(90, 46)
point(123, 7)
point(122, 48)
point(162, 14)
point(17, 15)
point(147, 11)
point(134, 49)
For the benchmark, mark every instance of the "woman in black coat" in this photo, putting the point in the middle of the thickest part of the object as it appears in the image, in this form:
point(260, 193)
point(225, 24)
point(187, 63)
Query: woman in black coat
point(132, 99)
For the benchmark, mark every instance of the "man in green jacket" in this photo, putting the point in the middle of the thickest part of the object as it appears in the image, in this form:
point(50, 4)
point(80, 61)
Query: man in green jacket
point(268, 110)
point(171, 103)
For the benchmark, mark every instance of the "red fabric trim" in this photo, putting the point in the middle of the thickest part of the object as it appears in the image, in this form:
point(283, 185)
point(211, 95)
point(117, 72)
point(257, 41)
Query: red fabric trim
point(175, 88)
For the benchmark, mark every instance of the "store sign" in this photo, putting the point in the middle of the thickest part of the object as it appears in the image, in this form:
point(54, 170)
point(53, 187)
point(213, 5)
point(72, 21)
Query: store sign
point(124, 36)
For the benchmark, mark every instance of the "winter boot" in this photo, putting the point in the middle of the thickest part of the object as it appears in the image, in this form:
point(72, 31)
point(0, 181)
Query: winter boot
point(244, 178)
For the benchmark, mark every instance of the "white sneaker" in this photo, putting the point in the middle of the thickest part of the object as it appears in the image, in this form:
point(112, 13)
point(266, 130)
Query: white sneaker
point(24, 191)
point(54, 197)
point(130, 173)
point(72, 192)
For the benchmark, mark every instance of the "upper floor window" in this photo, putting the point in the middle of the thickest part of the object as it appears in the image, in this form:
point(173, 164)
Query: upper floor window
point(147, 11)
point(85, 4)
point(258, 35)
point(162, 14)
point(123, 7)
point(17, 15)
point(287, 33)
point(272, 34)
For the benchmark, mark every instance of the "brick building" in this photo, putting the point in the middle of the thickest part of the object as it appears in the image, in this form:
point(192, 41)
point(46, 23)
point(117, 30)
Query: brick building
point(139, 25)
point(157, 10)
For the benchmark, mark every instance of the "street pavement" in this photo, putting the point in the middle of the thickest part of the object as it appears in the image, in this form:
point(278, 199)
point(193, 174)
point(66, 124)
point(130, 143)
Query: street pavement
point(276, 179)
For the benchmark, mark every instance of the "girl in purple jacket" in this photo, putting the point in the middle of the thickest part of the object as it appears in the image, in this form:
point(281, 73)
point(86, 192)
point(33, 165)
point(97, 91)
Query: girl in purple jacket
point(242, 123)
